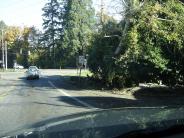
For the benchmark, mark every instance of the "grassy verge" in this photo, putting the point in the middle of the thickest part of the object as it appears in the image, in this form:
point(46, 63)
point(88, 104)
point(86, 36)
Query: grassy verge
point(85, 82)
point(11, 70)
point(81, 82)
point(8, 70)
point(84, 73)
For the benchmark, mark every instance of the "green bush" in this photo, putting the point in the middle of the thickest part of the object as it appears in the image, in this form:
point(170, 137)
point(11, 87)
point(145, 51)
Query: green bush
point(152, 48)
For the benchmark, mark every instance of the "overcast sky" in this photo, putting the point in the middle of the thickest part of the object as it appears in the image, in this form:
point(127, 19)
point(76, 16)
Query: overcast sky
point(28, 12)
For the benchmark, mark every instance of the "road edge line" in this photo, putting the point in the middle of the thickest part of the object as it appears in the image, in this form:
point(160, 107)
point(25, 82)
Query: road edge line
point(68, 95)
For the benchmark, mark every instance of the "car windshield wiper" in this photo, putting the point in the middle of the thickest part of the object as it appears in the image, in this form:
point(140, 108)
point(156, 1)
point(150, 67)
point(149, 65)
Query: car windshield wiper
point(152, 133)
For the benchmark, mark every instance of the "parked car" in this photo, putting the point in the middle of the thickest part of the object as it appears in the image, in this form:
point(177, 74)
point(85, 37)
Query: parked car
point(32, 73)
point(17, 66)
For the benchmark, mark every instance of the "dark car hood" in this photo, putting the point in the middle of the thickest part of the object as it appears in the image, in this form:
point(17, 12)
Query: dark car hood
point(106, 123)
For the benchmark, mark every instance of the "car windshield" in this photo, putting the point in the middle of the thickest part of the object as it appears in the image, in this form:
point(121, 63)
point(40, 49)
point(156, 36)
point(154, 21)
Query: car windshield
point(91, 68)
point(32, 68)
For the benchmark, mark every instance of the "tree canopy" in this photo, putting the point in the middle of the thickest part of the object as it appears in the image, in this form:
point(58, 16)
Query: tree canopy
point(151, 46)
point(147, 45)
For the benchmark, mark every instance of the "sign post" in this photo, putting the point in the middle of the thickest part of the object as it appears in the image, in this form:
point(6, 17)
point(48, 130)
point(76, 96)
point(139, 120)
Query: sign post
point(81, 61)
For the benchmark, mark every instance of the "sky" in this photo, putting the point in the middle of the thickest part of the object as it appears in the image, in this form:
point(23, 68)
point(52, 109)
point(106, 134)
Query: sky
point(29, 12)
point(22, 12)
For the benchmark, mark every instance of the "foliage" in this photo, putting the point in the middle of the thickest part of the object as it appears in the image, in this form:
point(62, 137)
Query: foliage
point(2, 25)
point(146, 46)
point(52, 24)
point(101, 58)
point(78, 28)
point(20, 42)
point(12, 34)
point(67, 32)
point(151, 46)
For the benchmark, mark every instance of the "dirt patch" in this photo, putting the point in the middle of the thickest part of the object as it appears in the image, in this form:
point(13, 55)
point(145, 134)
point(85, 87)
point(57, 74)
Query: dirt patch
point(152, 91)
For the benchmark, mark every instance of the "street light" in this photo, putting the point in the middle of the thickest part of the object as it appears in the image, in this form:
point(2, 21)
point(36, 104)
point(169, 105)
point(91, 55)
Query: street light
point(119, 46)
point(29, 53)
point(109, 36)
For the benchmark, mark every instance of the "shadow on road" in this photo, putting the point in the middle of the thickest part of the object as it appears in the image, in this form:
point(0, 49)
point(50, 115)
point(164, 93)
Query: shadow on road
point(43, 82)
point(113, 102)
point(51, 104)
point(75, 84)
point(59, 81)
point(159, 91)
point(150, 97)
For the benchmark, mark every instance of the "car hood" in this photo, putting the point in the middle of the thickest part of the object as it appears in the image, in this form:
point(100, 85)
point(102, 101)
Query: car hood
point(33, 72)
point(106, 123)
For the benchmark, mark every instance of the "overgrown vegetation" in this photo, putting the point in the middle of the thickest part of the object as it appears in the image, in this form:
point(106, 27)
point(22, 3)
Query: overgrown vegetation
point(151, 47)
point(147, 45)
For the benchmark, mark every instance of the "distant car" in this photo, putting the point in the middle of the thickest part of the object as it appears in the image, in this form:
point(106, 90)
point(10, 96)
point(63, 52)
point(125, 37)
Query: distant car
point(18, 66)
point(33, 73)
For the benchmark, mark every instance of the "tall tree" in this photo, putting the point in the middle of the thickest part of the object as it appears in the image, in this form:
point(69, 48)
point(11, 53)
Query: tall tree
point(52, 25)
point(3, 26)
point(78, 26)
point(129, 10)
point(12, 34)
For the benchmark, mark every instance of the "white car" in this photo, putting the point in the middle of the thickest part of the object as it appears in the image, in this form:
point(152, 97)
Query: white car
point(33, 73)
point(18, 66)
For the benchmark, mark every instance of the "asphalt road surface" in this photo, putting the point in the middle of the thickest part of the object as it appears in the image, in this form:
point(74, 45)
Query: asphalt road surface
point(26, 102)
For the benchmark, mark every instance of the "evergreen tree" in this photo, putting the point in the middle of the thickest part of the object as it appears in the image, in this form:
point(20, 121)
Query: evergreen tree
point(52, 25)
point(2, 27)
point(78, 26)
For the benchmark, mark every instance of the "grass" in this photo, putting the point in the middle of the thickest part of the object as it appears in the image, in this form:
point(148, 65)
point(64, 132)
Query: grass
point(83, 82)
point(10, 70)
point(84, 73)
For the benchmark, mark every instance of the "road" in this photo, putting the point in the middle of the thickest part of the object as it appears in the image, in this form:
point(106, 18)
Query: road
point(26, 102)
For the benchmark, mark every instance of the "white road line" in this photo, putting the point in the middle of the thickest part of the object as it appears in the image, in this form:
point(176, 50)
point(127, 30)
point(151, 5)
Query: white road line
point(74, 98)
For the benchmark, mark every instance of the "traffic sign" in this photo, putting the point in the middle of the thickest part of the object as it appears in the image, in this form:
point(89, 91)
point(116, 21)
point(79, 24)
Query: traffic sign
point(81, 60)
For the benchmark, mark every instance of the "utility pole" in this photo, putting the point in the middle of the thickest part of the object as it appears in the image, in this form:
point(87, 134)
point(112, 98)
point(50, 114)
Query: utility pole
point(2, 44)
point(102, 12)
point(6, 57)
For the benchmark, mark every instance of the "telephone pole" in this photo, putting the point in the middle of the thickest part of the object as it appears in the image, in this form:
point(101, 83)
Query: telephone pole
point(102, 12)
point(6, 58)
point(2, 44)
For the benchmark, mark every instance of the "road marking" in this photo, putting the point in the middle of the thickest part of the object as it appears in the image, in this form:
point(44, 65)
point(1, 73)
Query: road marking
point(74, 98)
point(6, 93)
point(3, 94)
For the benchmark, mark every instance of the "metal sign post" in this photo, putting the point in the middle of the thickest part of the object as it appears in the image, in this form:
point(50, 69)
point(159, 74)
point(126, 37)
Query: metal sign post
point(81, 61)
